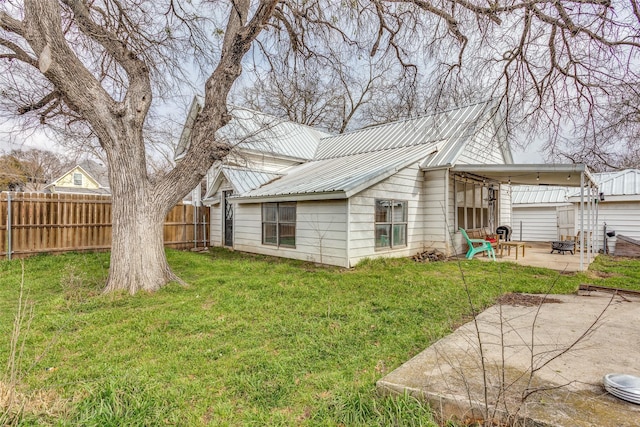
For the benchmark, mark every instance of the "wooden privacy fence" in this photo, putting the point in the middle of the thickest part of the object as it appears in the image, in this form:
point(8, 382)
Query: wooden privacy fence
point(32, 223)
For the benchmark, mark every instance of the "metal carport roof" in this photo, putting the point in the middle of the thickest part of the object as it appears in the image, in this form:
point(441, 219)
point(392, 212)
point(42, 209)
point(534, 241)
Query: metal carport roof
point(531, 174)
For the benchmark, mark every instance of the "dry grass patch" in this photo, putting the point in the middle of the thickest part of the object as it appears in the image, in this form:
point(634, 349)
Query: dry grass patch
point(36, 404)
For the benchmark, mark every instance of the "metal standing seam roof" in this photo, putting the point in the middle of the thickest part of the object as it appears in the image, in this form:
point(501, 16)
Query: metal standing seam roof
point(534, 194)
point(261, 132)
point(244, 180)
point(344, 163)
point(343, 174)
point(623, 183)
point(444, 126)
point(257, 131)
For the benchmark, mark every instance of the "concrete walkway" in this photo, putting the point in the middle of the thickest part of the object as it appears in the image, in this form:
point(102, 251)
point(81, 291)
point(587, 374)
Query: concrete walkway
point(566, 385)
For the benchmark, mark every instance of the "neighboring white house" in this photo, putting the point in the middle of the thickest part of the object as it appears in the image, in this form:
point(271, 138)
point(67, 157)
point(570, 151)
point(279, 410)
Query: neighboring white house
point(544, 213)
point(541, 213)
point(384, 191)
point(87, 177)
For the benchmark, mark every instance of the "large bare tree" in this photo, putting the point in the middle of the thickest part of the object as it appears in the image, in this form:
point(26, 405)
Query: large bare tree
point(97, 60)
point(347, 94)
point(99, 65)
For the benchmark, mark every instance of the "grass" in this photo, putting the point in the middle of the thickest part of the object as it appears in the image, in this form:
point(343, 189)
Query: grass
point(251, 341)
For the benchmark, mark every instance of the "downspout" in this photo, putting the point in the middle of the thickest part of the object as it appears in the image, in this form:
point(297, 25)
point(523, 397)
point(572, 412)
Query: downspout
point(446, 211)
point(348, 242)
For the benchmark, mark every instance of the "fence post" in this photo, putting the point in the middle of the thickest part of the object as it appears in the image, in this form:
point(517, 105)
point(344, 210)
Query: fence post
point(204, 230)
point(9, 226)
point(195, 225)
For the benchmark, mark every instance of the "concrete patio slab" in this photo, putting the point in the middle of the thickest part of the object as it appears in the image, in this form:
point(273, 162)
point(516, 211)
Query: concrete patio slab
point(538, 254)
point(525, 351)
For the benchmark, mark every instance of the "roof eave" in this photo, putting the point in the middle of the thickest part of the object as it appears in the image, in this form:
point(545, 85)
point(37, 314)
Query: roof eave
point(516, 171)
point(294, 197)
point(611, 198)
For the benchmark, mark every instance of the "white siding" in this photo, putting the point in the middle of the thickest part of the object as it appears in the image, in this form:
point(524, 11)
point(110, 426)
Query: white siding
point(484, 148)
point(622, 217)
point(407, 185)
point(216, 225)
point(320, 232)
point(539, 224)
point(437, 205)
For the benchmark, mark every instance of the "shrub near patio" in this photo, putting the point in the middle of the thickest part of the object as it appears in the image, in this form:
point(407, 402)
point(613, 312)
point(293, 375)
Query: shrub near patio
point(251, 340)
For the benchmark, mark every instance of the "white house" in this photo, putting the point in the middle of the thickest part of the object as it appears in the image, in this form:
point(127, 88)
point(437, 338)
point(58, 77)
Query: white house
point(384, 191)
point(544, 213)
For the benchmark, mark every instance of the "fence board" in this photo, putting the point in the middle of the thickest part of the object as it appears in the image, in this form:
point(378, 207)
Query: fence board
point(42, 223)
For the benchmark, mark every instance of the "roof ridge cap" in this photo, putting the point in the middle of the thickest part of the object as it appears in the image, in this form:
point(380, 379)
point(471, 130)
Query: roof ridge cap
point(379, 150)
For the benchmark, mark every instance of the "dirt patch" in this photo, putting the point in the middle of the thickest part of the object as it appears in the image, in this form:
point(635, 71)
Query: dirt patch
point(525, 300)
point(602, 274)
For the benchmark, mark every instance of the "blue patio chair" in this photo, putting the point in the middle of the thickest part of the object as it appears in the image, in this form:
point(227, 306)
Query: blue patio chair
point(481, 245)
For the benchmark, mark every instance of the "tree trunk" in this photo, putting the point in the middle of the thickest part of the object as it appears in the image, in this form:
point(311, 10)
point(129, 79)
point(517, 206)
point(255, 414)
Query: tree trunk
point(138, 260)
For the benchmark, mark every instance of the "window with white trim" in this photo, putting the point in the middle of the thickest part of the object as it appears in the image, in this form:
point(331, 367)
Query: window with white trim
point(279, 224)
point(77, 178)
point(390, 223)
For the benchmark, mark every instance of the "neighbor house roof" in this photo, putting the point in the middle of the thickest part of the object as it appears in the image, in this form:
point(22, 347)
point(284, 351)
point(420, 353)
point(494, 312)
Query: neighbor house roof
point(624, 183)
point(97, 171)
point(348, 163)
point(534, 194)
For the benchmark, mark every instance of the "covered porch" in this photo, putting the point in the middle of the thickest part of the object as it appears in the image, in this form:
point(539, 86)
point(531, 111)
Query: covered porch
point(575, 175)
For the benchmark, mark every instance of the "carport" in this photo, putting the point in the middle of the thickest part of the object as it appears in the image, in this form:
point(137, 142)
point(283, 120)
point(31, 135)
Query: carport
point(575, 175)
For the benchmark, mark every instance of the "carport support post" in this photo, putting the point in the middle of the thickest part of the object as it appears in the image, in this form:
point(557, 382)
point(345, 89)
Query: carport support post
point(592, 233)
point(582, 247)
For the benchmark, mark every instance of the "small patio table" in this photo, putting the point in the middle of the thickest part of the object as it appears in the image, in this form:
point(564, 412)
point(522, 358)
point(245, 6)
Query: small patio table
point(509, 245)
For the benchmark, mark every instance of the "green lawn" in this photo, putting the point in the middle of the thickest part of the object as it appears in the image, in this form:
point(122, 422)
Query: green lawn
point(251, 341)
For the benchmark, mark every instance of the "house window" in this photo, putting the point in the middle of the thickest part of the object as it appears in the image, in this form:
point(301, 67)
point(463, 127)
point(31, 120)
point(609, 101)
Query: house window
point(279, 224)
point(476, 204)
point(77, 178)
point(391, 223)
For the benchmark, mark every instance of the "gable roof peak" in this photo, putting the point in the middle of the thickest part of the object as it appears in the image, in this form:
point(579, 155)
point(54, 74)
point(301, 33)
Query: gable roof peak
point(438, 128)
